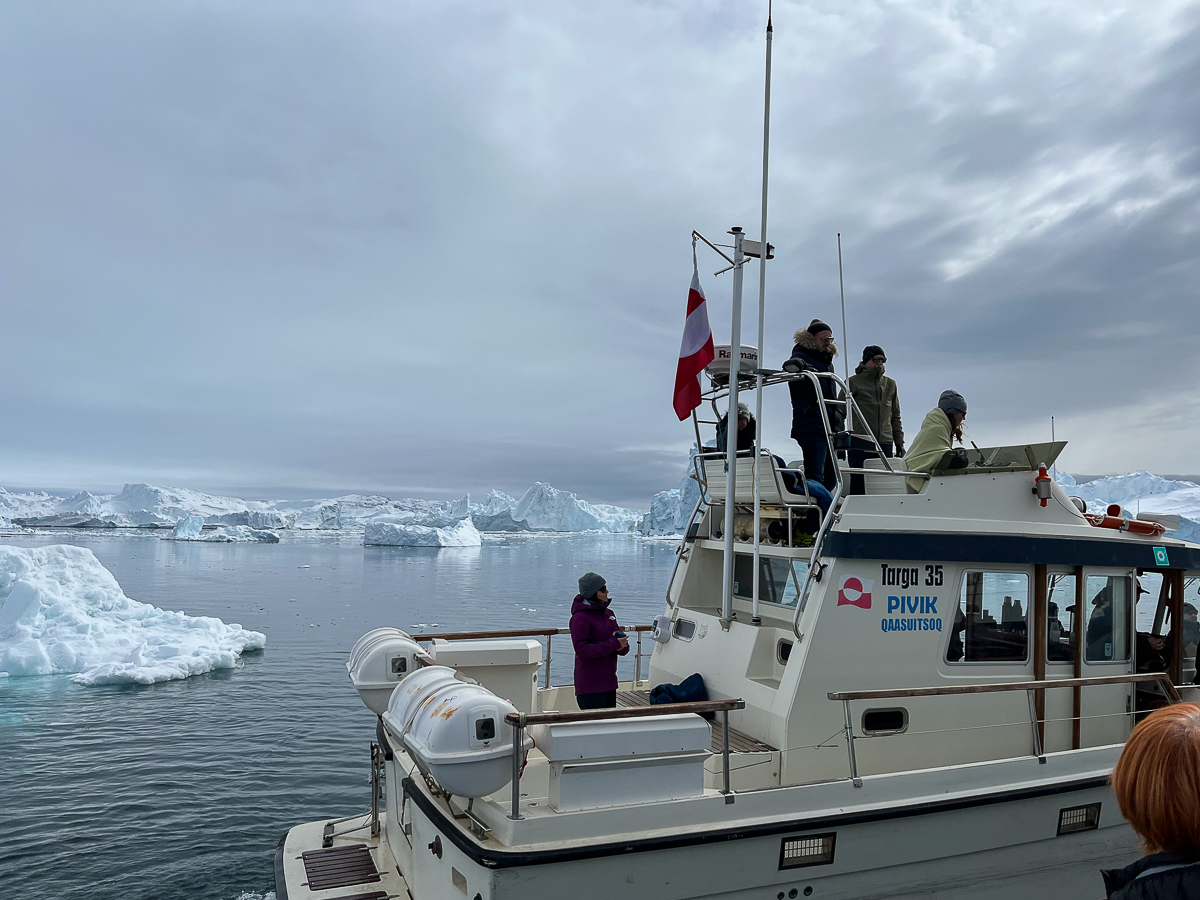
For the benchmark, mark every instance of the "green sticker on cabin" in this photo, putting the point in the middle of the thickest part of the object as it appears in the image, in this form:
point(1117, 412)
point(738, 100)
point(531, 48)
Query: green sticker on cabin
point(1160, 556)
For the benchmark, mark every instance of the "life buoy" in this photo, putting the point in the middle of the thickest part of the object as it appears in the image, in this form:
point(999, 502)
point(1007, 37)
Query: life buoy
point(1120, 523)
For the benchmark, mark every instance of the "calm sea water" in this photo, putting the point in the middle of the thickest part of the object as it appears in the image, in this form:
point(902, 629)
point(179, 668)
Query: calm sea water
point(182, 789)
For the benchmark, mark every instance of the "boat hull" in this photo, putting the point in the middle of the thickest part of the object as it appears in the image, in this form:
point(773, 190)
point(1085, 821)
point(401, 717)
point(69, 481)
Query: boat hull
point(995, 847)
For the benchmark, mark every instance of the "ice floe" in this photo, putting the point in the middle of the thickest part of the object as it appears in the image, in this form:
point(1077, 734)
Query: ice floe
point(461, 534)
point(62, 612)
point(192, 529)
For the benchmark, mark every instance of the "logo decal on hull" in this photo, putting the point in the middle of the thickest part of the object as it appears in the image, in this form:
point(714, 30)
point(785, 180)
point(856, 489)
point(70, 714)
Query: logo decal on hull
point(855, 591)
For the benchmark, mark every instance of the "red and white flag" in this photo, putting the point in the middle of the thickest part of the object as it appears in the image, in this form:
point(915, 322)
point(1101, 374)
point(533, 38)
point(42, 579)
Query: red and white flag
point(695, 352)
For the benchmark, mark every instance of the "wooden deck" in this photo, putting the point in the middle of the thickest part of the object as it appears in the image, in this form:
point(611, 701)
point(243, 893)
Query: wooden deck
point(739, 742)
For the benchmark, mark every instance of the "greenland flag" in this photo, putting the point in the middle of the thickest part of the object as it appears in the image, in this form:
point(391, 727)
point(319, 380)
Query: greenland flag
point(855, 591)
point(695, 352)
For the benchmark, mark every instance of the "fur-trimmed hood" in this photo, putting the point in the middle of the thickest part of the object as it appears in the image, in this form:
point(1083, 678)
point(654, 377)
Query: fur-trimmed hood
point(810, 345)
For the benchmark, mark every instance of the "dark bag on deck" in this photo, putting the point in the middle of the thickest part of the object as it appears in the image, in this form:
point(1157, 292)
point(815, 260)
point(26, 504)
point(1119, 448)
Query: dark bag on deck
point(690, 690)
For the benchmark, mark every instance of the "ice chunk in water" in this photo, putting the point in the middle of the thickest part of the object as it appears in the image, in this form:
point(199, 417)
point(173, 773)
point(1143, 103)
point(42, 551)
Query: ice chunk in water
point(62, 612)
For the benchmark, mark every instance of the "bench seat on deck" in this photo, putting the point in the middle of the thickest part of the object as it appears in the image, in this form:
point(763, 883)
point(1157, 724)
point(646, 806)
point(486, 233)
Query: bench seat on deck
point(771, 490)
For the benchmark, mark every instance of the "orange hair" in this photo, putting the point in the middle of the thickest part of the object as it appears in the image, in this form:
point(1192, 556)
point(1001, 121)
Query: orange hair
point(1157, 779)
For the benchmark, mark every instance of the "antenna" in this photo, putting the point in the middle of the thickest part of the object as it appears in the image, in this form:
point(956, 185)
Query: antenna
point(764, 255)
point(845, 337)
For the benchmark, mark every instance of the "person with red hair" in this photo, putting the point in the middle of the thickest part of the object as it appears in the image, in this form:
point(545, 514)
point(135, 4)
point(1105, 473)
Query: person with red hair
point(1157, 785)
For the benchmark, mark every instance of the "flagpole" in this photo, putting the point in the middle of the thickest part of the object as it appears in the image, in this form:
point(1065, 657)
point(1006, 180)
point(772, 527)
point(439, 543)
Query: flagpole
point(731, 430)
point(764, 248)
point(845, 337)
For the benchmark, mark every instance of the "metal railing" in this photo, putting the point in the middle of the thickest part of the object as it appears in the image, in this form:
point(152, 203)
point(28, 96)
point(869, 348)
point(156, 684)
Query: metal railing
point(1030, 687)
point(547, 633)
point(520, 721)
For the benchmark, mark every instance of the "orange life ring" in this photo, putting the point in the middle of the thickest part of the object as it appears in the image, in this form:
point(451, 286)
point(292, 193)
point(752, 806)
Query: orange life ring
point(1120, 523)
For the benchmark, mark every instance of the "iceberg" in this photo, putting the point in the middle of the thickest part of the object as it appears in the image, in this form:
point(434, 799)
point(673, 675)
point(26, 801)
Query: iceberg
point(1127, 490)
point(63, 613)
point(670, 510)
point(545, 508)
point(462, 534)
point(496, 513)
point(542, 508)
point(192, 529)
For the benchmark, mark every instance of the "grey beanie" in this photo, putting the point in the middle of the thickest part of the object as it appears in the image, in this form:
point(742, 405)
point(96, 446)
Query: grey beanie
point(952, 401)
point(589, 584)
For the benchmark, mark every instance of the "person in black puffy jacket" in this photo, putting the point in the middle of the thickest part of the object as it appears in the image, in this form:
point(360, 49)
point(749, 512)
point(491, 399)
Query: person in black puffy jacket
point(1157, 783)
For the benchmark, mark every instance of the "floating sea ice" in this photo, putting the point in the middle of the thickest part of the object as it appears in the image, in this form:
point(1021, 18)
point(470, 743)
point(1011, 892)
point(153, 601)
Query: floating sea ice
point(462, 534)
point(192, 529)
point(62, 612)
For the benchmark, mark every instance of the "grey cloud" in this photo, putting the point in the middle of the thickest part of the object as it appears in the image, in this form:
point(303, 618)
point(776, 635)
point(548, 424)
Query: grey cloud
point(432, 250)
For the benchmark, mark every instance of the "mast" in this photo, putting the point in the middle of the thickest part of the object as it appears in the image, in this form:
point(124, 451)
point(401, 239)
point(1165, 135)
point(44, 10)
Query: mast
point(845, 338)
point(735, 365)
point(764, 249)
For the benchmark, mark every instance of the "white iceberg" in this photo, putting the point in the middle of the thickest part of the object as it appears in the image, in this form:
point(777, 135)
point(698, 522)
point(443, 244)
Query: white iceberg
point(192, 529)
point(545, 508)
point(1127, 490)
point(542, 508)
point(496, 513)
point(462, 534)
point(671, 510)
point(62, 612)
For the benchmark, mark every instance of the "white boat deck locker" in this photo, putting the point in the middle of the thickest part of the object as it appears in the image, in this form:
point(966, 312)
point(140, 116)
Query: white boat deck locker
point(924, 713)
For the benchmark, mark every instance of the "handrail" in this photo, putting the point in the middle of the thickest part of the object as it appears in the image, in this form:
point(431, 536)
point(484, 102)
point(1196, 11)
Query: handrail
point(1000, 687)
point(623, 712)
point(1029, 687)
point(520, 721)
point(465, 635)
point(547, 633)
point(515, 632)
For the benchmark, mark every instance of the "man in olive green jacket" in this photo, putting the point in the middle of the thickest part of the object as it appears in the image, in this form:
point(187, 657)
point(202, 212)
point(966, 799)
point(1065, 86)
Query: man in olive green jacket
point(875, 394)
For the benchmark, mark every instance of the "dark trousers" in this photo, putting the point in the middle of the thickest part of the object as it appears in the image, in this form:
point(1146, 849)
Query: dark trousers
point(599, 700)
point(816, 456)
point(858, 454)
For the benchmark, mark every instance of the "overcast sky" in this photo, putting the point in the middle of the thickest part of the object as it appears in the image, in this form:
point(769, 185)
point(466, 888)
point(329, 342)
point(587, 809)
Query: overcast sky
point(426, 248)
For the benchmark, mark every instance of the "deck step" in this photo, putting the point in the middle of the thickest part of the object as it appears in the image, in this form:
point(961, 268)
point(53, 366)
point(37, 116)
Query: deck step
point(340, 867)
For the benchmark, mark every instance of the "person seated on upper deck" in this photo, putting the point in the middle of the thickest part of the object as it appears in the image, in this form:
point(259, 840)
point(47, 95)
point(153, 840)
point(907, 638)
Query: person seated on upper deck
point(816, 349)
point(942, 426)
point(598, 641)
point(747, 430)
point(876, 397)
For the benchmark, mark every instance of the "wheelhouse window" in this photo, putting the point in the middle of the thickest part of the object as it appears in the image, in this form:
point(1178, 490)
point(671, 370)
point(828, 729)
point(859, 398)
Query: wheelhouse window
point(776, 581)
point(1108, 615)
point(990, 622)
point(1191, 628)
point(1060, 615)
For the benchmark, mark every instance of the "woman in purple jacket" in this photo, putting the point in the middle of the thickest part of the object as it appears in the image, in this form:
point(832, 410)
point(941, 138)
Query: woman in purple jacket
point(598, 641)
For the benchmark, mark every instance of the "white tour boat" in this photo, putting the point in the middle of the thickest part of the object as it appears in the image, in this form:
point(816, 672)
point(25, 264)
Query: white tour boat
point(913, 706)
point(921, 692)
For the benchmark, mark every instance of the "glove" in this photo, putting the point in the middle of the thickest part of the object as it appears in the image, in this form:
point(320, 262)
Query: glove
point(899, 452)
point(795, 364)
point(960, 460)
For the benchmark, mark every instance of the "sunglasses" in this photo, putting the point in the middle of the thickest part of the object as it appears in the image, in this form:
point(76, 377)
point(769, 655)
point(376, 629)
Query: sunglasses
point(879, 359)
